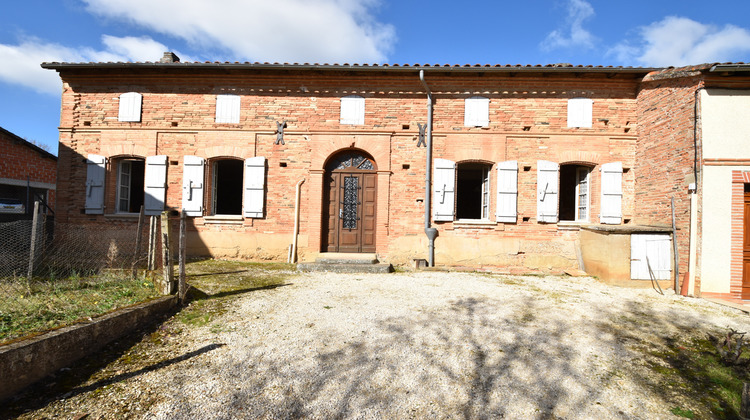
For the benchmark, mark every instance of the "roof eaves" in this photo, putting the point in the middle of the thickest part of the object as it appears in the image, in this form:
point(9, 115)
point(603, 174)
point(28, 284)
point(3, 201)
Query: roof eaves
point(563, 68)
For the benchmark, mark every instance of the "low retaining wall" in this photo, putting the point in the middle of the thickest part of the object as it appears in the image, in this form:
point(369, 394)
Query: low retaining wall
point(25, 362)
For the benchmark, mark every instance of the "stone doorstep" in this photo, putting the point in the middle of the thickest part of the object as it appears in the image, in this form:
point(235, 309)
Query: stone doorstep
point(346, 258)
point(345, 268)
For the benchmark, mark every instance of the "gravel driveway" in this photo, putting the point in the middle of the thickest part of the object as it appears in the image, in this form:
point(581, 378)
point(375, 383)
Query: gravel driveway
point(423, 345)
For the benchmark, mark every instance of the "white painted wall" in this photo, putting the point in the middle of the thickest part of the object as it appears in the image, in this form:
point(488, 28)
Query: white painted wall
point(725, 117)
point(716, 229)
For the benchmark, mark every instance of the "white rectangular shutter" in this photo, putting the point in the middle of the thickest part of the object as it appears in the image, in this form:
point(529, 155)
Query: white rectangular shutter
point(477, 112)
point(611, 193)
point(580, 112)
point(130, 107)
point(228, 109)
point(548, 178)
point(192, 185)
point(95, 173)
point(507, 192)
point(652, 251)
point(353, 110)
point(255, 185)
point(443, 186)
point(155, 185)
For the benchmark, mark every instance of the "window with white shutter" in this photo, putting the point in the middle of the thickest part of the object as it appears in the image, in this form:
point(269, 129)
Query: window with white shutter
point(227, 180)
point(443, 185)
point(155, 185)
point(580, 112)
point(472, 191)
point(255, 184)
point(227, 109)
point(477, 112)
point(507, 192)
point(130, 107)
point(547, 182)
point(611, 193)
point(353, 110)
point(192, 185)
point(130, 173)
point(95, 173)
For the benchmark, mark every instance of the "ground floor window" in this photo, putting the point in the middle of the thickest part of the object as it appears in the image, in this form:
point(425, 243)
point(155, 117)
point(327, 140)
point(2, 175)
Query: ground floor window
point(574, 193)
point(226, 184)
point(473, 191)
point(130, 185)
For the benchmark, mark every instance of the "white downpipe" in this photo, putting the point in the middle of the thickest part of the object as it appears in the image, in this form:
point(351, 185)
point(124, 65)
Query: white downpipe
point(293, 255)
point(692, 263)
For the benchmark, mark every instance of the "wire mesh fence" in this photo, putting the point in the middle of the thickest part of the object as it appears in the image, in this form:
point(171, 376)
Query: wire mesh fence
point(52, 273)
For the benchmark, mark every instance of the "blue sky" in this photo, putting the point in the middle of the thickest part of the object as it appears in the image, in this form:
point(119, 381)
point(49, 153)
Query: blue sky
point(596, 32)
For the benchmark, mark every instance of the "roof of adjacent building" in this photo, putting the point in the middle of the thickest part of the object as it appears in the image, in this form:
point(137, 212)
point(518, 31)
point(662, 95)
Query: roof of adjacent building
point(19, 140)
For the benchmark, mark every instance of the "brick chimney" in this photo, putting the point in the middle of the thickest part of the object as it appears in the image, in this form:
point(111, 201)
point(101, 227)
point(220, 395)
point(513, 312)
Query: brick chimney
point(169, 57)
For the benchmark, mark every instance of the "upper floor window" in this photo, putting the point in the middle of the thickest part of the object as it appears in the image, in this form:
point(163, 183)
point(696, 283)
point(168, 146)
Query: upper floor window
point(227, 109)
point(477, 112)
point(580, 112)
point(353, 110)
point(130, 107)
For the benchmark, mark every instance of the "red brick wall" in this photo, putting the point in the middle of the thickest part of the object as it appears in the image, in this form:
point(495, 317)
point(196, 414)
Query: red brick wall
point(21, 161)
point(528, 122)
point(665, 155)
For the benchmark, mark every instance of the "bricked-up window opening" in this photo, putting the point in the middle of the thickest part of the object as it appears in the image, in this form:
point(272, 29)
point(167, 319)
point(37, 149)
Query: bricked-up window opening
point(575, 190)
point(473, 191)
point(227, 187)
point(130, 176)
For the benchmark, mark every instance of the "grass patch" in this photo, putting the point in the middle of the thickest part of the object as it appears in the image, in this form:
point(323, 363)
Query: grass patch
point(27, 309)
point(214, 283)
point(694, 374)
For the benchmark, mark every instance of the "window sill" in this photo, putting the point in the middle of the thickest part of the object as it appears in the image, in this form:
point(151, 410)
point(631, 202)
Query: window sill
point(474, 224)
point(122, 216)
point(572, 224)
point(224, 220)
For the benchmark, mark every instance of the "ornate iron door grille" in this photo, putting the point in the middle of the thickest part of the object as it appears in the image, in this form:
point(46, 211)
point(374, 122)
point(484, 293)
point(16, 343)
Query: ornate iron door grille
point(351, 202)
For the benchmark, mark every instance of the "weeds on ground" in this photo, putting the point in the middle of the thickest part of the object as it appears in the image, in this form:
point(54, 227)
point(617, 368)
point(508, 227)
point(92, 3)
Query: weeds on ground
point(694, 370)
point(43, 304)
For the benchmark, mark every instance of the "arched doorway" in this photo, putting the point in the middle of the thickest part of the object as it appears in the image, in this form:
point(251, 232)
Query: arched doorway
point(349, 197)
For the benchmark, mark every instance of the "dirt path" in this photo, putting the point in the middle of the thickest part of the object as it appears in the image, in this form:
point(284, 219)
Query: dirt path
point(415, 345)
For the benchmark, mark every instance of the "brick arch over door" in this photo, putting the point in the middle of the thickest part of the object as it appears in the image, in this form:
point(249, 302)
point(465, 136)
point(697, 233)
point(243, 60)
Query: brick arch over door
point(349, 203)
point(325, 146)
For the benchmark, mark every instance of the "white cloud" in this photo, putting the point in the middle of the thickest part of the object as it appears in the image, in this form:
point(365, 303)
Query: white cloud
point(21, 62)
point(679, 41)
point(573, 34)
point(261, 30)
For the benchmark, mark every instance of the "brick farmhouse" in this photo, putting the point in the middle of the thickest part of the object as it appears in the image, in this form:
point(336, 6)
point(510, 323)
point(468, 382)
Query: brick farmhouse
point(551, 168)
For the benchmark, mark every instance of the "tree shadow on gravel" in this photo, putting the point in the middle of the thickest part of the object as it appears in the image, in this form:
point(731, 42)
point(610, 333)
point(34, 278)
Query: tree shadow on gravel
point(479, 359)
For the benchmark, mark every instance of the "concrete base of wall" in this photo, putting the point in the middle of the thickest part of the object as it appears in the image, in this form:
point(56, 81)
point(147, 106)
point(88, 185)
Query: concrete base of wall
point(24, 362)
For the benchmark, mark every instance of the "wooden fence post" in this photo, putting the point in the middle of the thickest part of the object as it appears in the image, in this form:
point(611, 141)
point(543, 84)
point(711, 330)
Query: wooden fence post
point(182, 285)
point(138, 243)
point(32, 251)
point(152, 244)
point(168, 267)
point(745, 402)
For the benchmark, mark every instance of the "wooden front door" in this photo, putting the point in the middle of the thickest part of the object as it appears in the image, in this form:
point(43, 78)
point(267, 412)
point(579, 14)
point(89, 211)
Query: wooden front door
point(349, 222)
point(746, 247)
